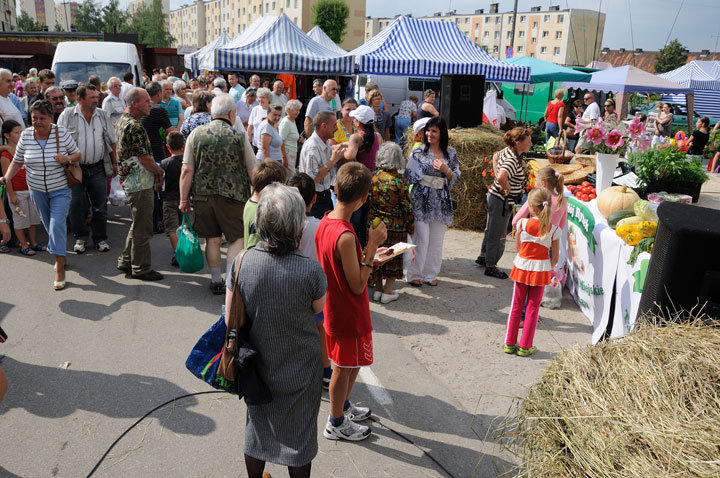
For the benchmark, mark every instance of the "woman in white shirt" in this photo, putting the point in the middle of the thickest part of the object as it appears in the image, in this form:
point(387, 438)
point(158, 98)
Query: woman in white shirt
point(289, 133)
point(258, 114)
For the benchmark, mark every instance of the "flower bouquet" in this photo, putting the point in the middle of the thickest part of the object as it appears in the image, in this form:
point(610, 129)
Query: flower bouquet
point(612, 137)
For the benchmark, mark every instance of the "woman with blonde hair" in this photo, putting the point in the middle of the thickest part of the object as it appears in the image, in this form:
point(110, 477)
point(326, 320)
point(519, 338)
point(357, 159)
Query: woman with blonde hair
point(289, 133)
point(427, 109)
point(270, 143)
point(258, 114)
point(555, 114)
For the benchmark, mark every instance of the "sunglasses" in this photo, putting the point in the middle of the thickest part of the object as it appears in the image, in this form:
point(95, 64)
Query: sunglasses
point(608, 106)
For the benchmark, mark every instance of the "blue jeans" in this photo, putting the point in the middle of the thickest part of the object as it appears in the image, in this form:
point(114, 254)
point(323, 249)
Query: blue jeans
point(401, 125)
point(94, 186)
point(552, 129)
point(53, 209)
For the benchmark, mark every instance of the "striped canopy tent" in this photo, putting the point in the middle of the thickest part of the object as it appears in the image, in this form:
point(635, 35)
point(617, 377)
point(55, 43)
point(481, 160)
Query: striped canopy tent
point(278, 45)
point(425, 48)
point(629, 79)
point(321, 37)
point(195, 61)
point(704, 79)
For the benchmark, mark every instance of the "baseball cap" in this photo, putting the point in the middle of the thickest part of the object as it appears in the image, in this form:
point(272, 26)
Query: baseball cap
point(363, 114)
point(419, 125)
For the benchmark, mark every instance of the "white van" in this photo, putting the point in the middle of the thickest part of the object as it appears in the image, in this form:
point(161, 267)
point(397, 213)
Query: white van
point(78, 60)
point(396, 89)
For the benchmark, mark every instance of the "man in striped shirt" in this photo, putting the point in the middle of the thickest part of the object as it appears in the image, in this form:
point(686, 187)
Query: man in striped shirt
point(91, 130)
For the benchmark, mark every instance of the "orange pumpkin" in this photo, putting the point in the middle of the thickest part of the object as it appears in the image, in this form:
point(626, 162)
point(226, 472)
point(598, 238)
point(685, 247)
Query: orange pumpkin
point(616, 198)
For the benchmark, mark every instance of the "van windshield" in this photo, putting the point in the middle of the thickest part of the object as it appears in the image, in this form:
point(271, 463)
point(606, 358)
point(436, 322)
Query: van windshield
point(81, 71)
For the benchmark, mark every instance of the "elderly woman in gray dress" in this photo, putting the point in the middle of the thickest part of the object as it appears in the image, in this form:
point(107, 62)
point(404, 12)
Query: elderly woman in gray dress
point(281, 290)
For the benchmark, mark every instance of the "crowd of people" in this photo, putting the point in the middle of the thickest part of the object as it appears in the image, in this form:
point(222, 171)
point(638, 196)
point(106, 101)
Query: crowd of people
point(311, 205)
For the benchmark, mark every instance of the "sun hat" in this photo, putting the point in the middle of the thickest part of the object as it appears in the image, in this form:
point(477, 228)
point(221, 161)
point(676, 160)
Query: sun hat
point(419, 125)
point(363, 114)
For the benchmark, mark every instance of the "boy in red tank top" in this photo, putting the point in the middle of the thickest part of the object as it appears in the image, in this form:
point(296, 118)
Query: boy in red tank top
point(348, 326)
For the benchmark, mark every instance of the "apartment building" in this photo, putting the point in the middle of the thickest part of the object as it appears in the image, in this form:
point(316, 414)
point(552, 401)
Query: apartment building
point(566, 37)
point(8, 17)
point(195, 25)
point(42, 11)
point(65, 13)
point(135, 5)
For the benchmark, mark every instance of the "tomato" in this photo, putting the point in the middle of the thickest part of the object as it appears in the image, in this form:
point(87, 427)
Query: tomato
point(592, 196)
point(585, 183)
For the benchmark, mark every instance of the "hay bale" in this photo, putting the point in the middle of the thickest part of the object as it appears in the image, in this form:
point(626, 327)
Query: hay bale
point(646, 405)
point(474, 147)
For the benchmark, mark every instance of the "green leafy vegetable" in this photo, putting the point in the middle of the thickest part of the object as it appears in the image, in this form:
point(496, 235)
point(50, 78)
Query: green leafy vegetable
point(643, 246)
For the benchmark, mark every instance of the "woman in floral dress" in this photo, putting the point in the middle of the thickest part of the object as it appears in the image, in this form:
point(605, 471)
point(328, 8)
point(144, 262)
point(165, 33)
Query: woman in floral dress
point(390, 201)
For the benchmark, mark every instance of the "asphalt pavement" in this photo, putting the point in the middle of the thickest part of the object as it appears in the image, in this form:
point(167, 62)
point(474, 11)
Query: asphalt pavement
point(85, 363)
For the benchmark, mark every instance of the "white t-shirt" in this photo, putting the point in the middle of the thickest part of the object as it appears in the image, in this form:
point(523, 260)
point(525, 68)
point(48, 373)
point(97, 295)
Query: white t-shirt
point(592, 112)
point(307, 241)
point(256, 116)
point(8, 111)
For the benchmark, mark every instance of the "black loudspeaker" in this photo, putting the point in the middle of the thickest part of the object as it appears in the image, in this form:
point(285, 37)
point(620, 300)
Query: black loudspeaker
point(684, 269)
point(461, 100)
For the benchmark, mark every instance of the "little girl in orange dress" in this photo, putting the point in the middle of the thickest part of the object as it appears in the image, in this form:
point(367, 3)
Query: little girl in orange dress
point(535, 236)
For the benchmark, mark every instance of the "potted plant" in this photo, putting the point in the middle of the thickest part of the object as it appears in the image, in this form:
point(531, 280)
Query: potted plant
point(609, 140)
point(670, 170)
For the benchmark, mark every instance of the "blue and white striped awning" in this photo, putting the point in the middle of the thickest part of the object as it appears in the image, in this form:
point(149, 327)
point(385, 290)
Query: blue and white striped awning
point(426, 48)
point(196, 61)
point(698, 75)
point(705, 102)
point(321, 37)
point(278, 45)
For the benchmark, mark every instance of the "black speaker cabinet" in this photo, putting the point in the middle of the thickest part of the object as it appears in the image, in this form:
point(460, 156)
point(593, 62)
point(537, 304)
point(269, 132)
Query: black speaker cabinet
point(461, 100)
point(684, 269)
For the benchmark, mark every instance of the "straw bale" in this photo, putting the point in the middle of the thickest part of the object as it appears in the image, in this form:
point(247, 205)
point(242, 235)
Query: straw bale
point(645, 405)
point(475, 147)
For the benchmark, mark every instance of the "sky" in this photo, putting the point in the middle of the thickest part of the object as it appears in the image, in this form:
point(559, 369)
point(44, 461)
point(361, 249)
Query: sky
point(651, 19)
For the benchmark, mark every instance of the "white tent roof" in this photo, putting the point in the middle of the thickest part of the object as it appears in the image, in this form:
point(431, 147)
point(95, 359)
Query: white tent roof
point(321, 37)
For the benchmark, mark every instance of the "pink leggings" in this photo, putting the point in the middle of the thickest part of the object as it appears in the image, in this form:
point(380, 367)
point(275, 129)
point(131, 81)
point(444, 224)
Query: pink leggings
point(533, 294)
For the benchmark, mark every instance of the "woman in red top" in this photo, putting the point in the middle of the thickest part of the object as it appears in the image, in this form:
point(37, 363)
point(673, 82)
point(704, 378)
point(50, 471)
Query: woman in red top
point(25, 216)
point(554, 114)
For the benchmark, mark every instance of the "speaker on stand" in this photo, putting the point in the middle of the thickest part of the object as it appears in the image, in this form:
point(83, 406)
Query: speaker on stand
point(461, 100)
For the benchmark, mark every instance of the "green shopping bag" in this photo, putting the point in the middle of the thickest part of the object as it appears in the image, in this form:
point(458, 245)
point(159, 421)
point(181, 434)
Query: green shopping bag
point(188, 253)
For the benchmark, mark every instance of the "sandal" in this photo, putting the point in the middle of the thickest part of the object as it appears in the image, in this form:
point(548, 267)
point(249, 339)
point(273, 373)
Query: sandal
point(415, 283)
point(28, 251)
point(39, 248)
point(4, 249)
point(496, 273)
point(432, 283)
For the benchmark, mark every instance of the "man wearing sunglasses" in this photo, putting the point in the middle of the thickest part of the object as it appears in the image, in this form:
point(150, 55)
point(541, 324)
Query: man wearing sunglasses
point(591, 113)
point(56, 96)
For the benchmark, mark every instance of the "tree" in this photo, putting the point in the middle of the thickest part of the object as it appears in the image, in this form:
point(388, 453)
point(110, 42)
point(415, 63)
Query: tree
point(89, 17)
point(671, 57)
point(27, 24)
point(115, 20)
point(149, 24)
point(331, 16)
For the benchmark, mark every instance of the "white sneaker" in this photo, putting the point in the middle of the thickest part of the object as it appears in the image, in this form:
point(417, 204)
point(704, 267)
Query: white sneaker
point(357, 414)
point(348, 430)
point(377, 295)
point(387, 298)
point(79, 246)
point(102, 246)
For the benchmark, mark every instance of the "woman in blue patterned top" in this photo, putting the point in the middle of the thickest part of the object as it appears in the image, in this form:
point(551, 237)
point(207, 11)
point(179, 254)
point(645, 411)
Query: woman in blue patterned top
point(200, 112)
point(432, 171)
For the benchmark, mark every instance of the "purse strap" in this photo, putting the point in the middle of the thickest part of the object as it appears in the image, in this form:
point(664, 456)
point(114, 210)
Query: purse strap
point(236, 317)
point(57, 140)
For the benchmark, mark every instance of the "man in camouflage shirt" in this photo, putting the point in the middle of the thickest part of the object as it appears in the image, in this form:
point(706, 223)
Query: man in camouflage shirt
point(138, 173)
point(216, 164)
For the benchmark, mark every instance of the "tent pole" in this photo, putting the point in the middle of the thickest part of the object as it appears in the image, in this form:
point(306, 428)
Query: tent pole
point(522, 101)
point(690, 102)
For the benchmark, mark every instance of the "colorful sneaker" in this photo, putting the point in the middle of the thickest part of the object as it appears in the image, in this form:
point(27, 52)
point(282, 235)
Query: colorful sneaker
point(357, 414)
point(509, 349)
point(526, 352)
point(348, 430)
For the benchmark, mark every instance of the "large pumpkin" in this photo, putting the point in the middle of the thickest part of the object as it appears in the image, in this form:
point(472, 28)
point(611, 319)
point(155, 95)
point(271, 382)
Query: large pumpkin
point(616, 198)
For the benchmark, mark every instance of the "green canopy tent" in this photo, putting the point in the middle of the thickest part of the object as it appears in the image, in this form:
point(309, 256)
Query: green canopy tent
point(546, 72)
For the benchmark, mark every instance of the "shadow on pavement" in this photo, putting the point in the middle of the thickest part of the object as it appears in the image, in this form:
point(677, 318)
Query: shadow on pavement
point(54, 393)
